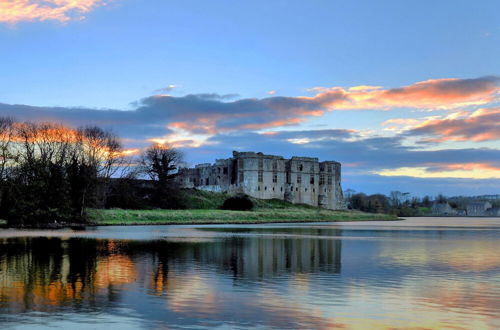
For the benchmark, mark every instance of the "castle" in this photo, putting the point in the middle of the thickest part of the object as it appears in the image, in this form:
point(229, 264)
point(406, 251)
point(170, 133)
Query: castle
point(301, 180)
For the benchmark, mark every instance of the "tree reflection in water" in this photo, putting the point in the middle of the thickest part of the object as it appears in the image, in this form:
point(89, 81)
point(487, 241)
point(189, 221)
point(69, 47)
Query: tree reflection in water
point(81, 274)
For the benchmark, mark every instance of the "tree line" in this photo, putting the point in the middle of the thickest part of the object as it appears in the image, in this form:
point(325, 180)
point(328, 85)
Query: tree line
point(50, 173)
point(397, 203)
point(403, 204)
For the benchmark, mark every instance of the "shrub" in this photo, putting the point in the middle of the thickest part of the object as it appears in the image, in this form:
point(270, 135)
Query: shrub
point(238, 203)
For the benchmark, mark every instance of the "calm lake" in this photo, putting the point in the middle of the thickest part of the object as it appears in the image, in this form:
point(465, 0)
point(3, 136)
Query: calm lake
point(324, 275)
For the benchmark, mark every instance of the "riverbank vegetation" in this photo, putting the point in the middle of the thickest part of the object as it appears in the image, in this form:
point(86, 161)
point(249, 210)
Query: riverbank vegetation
point(50, 173)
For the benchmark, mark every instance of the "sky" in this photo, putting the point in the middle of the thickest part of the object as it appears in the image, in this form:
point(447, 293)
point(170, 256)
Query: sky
point(405, 94)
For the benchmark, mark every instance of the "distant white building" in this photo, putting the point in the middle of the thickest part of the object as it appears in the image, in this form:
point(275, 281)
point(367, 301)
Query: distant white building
point(478, 209)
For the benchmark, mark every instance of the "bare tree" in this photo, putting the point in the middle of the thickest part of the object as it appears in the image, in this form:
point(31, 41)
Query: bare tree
point(6, 142)
point(101, 150)
point(160, 162)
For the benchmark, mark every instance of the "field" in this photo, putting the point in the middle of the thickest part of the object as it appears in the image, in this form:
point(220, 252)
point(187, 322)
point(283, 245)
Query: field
point(200, 216)
point(205, 209)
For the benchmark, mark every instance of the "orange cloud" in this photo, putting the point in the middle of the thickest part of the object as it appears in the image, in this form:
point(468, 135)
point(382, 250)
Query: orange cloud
point(14, 11)
point(480, 125)
point(446, 93)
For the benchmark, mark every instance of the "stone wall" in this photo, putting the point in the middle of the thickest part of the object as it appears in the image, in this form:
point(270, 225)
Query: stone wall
point(301, 180)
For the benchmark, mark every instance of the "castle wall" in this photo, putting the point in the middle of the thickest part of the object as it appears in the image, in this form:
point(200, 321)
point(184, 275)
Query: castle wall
point(299, 180)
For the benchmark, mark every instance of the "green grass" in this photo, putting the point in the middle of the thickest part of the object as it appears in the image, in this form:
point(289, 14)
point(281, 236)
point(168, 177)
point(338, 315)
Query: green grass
point(424, 210)
point(199, 216)
point(205, 208)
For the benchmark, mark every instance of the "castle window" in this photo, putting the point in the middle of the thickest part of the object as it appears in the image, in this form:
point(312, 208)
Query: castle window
point(311, 179)
point(300, 167)
point(281, 189)
point(275, 177)
point(330, 179)
point(321, 179)
point(207, 182)
point(329, 168)
point(225, 170)
point(296, 189)
point(305, 189)
point(325, 189)
point(261, 163)
point(242, 176)
point(288, 177)
point(314, 190)
point(258, 188)
point(299, 178)
point(261, 176)
point(265, 188)
point(273, 188)
point(275, 165)
point(322, 167)
point(312, 168)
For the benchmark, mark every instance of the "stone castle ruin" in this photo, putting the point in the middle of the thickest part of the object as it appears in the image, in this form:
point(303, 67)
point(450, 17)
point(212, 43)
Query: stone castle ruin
point(297, 180)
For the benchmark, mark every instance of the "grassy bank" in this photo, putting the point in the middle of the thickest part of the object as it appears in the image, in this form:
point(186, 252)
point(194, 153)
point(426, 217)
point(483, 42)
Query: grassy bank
point(205, 208)
point(200, 216)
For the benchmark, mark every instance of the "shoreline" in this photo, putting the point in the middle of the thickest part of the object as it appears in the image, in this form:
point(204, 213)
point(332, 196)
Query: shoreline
point(123, 217)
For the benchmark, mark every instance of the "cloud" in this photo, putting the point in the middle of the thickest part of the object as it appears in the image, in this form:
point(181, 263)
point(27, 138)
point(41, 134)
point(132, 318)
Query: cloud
point(480, 125)
point(272, 92)
point(447, 93)
point(167, 89)
point(14, 11)
point(210, 114)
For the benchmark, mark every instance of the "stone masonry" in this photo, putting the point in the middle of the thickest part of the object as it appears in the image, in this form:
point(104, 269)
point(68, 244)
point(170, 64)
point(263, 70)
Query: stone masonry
point(302, 180)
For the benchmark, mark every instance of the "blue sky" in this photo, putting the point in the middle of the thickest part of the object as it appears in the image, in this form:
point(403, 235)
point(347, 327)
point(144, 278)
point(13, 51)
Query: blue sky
point(261, 59)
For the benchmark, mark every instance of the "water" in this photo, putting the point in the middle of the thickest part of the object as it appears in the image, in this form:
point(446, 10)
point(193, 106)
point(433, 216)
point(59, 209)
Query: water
point(282, 276)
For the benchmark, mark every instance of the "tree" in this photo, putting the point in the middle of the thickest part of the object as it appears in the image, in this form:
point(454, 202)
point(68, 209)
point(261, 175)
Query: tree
point(50, 173)
point(6, 140)
point(160, 162)
point(441, 198)
point(395, 198)
point(101, 157)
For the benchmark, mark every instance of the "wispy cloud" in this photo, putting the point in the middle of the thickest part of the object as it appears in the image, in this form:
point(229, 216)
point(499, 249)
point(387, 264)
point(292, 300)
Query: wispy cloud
point(166, 89)
point(14, 11)
point(450, 93)
point(480, 125)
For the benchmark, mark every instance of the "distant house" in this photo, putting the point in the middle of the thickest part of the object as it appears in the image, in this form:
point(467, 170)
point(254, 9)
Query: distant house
point(493, 212)
point(479, 209)
point(443, 209)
